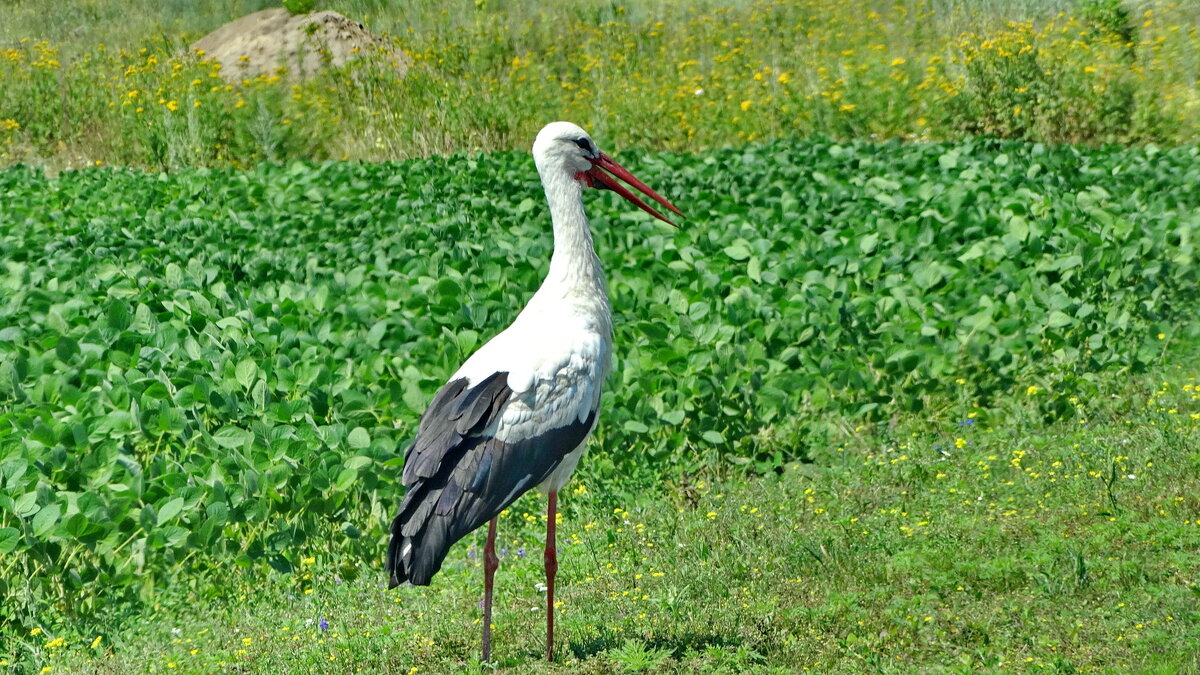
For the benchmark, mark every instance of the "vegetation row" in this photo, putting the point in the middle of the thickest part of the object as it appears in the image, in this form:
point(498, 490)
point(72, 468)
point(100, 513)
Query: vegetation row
point(214, 367)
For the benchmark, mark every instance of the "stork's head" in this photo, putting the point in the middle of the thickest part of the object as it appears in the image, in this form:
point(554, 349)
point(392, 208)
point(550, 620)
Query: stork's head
point(564, 151)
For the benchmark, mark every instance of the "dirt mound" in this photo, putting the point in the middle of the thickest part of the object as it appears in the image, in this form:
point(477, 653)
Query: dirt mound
point(259, 43)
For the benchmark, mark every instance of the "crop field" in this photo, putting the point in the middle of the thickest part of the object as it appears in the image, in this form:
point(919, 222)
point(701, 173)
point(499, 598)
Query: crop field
point(207, 378)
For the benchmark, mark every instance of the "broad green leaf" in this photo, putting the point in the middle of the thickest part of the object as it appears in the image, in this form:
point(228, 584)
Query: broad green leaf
point(170, 510)
point(1058, 319)
point(232, 437)
point(345, 479)
point(867, 243)
point(359, 438)
point(737, 252)
point(10, 537)
point(358, 462)
point(635, 427)
point(247, 371)
point(26, 504)
point(46, 519)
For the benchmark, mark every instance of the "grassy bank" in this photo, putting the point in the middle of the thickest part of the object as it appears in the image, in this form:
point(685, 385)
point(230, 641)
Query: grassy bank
point(978, 540)
point(86, 86)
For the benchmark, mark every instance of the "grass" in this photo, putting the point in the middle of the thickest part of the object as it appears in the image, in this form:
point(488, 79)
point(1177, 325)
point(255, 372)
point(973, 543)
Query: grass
point(87, 84)
point(982, 540)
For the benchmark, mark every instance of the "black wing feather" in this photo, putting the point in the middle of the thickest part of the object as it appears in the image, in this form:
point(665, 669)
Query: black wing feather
point(459, 478)
point(452, 415)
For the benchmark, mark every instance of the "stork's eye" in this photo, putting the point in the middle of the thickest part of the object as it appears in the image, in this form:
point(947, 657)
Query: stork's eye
point(583, 144)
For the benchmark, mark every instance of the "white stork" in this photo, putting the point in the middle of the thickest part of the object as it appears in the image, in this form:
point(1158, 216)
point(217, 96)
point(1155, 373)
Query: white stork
point(518, 413)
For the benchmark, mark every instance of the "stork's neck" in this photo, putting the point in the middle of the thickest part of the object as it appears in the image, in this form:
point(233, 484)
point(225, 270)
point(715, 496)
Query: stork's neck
point(575, 274)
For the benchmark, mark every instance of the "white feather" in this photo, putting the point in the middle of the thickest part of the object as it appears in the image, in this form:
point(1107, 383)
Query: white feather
point(558, 351)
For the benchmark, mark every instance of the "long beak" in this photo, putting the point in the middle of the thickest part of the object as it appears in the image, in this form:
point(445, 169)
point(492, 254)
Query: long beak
point(604, 163)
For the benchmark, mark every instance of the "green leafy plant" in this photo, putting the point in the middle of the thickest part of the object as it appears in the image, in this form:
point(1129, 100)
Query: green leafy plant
point(216, 372)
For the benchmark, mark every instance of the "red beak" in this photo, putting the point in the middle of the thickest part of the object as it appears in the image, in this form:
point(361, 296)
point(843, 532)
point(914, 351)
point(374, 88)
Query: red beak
point(595, 177)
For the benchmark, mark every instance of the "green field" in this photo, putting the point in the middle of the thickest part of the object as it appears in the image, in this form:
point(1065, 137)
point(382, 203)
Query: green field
point(914, 388)
point(208, 379)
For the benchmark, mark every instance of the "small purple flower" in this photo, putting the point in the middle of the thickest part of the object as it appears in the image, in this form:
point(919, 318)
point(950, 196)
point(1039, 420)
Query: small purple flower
point(471, 553)
point(323, 624)
point(521, 552)
point(503, 552)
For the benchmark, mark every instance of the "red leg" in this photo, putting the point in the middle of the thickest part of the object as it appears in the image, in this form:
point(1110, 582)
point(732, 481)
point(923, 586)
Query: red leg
point(490, 563)
point(551, 559)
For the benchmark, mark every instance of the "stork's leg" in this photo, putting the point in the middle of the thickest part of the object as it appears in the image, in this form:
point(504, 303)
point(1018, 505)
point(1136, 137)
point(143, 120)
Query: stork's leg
point(490, 563)
point(551, 559)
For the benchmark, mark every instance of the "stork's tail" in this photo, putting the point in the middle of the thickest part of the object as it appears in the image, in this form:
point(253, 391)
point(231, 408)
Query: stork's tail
point(398, 572)
point(418, 555)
